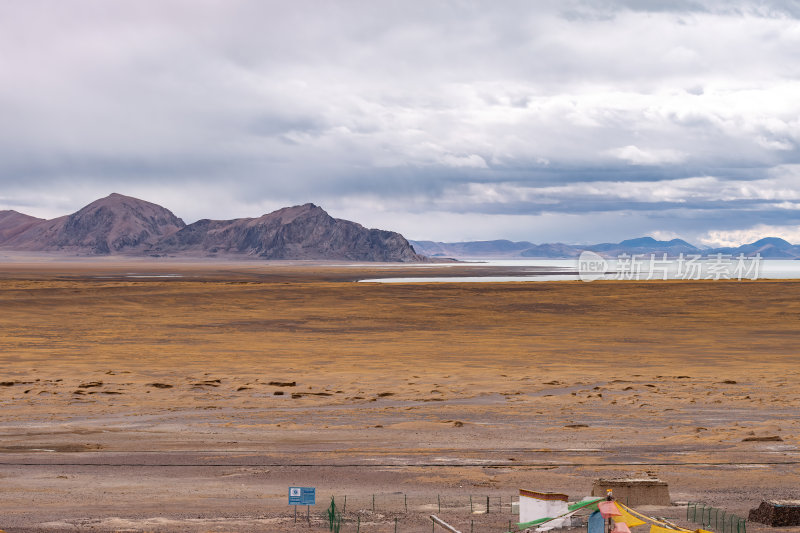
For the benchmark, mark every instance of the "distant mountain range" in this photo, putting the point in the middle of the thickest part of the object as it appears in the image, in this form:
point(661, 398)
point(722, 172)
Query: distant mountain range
point(121, 225)
point(769, 247)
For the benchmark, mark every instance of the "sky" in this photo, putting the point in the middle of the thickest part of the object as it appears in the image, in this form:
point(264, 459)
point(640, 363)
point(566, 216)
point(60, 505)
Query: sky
point(574, 121)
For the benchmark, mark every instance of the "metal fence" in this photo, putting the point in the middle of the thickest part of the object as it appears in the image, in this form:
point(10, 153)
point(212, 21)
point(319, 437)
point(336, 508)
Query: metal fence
point(400, 512)
point(401, 502)
point(714, 518)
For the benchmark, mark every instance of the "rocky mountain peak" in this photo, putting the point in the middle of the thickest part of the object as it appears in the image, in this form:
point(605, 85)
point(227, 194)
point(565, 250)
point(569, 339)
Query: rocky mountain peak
point(123, 224)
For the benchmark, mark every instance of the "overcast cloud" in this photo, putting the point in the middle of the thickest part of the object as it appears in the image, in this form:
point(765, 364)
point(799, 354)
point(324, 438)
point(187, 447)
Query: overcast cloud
point(574, 121)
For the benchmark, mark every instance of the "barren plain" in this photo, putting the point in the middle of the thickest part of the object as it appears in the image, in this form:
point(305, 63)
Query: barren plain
point(157, 396)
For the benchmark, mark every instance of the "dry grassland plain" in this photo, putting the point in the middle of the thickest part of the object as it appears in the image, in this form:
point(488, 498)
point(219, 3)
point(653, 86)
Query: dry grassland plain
point(191, 402)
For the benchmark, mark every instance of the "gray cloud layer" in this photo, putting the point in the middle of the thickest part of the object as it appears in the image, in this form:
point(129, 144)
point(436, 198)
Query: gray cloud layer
point(560, 120)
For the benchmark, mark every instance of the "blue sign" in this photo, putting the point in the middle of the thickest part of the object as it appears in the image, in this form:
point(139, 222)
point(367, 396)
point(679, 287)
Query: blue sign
point(302, 496)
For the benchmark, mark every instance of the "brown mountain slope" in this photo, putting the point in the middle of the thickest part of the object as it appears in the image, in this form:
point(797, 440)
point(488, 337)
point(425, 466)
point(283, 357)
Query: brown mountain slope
point(299, 232)
point(12, 223)
point(113, 224)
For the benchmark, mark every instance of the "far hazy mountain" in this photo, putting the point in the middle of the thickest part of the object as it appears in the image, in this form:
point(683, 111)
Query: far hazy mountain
point(12, 223)
point(299, 232)
point(552, 251)
point(483, 249)
point(112, 224)
point(770, 247)
point(644, 245)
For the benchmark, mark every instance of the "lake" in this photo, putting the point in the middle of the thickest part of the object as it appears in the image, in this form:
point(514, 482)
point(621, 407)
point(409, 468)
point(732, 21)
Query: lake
point(626, 269)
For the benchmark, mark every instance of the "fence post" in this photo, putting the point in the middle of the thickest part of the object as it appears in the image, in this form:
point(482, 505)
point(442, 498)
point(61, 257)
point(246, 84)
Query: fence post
point(439, 499)
point(487, 505)
point(395, 524)
point(405, 501)
point(373, 503)
point(470, 503)
point(344, 507)
point(358, 524)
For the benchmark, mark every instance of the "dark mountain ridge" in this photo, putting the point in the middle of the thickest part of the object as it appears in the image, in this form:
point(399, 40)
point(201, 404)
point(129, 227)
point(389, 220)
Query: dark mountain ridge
point(12, 223)
point(299, 232)
point(119, 224)
point(114, 224)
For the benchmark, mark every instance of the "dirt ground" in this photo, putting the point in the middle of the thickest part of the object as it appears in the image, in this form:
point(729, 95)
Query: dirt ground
point(155, 396)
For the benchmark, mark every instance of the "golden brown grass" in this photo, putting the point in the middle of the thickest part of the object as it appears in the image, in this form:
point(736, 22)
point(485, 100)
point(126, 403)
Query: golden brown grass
point(227, 335)
point(272, 360)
